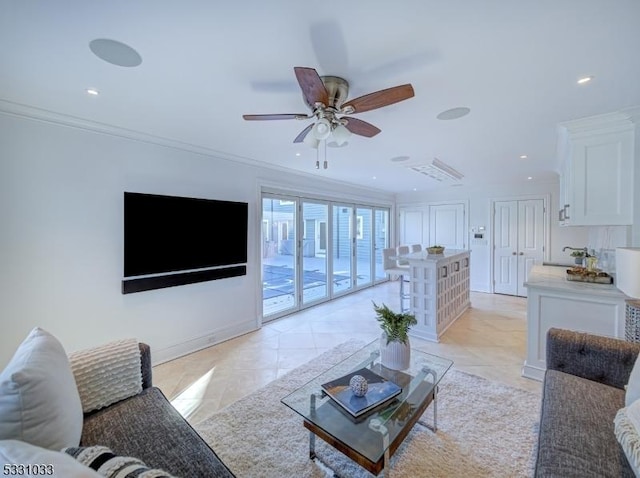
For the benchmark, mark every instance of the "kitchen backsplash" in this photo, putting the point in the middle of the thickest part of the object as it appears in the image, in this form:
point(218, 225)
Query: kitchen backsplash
point(603, 240)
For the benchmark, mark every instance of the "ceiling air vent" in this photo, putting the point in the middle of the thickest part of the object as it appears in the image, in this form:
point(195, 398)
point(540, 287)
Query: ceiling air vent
point(437, 170)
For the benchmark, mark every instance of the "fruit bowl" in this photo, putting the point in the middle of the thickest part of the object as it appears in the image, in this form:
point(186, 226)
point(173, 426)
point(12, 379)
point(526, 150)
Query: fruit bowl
point(435, 249)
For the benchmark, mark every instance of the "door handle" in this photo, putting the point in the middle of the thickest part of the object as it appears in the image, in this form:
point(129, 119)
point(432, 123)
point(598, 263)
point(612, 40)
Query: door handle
point(566, 211)
point(513, 253)
point(522, 253)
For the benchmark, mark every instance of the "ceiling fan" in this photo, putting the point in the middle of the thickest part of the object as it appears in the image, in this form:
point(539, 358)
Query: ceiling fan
point(326, 96)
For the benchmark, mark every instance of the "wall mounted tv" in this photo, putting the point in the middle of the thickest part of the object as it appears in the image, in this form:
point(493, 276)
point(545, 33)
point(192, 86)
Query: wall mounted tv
point(170, 234)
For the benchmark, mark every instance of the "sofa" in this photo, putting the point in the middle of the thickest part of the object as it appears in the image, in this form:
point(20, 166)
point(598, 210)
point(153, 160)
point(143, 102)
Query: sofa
point(94, 413)
point(583, 391)
point(148, 427)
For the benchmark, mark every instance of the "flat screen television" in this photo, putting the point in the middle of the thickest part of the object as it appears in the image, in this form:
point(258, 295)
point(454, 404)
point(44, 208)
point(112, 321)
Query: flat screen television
point(165, 234)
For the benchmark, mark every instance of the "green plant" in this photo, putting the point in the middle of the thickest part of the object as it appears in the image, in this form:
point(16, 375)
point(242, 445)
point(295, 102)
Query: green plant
point(394, 325)
point(577, 254)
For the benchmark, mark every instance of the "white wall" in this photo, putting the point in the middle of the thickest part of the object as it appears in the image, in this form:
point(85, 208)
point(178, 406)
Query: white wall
point(480, 199)
point(61, 213)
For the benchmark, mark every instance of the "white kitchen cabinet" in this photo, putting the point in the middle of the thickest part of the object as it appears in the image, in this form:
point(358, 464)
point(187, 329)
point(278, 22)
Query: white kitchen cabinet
point(555, 302)
point(596, 177)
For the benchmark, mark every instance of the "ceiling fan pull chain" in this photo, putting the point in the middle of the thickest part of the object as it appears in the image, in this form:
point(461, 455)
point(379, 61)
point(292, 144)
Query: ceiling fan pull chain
point(325, 154)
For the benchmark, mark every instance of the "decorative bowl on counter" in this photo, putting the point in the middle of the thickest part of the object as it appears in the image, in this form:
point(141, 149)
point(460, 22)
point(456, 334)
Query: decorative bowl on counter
point(435, 249)
point(582, 274)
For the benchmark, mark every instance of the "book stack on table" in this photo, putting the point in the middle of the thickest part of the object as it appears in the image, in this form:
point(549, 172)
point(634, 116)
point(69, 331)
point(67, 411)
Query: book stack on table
point(380, 391)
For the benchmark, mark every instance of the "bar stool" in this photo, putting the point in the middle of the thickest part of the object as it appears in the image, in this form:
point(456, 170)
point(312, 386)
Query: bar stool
point(402, 251)
point(392, 268)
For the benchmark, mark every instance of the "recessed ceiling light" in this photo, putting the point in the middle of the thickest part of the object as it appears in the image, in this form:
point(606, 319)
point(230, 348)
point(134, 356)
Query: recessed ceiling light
point(523, 156)
point(585, 79)
point(115, 52)
point(297, 154)
point(374, 177)
point(415, 189)
point(529, 178)
point(92, 91)
point(454, 113)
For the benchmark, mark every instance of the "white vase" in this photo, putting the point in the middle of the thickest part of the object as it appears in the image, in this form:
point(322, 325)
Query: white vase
point(394, 355)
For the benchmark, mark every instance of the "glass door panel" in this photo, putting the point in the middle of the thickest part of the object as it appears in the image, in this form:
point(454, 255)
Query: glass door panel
point(380, 240)
point(364, 242)
point(279, 285)
point(342, 248)
point(315, 217)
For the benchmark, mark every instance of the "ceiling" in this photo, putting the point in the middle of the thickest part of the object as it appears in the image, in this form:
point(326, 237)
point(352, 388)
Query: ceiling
point(514, 63)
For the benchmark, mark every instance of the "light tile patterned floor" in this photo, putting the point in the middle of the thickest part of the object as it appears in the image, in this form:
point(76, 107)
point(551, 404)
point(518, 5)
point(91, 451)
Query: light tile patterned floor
point(488, 340)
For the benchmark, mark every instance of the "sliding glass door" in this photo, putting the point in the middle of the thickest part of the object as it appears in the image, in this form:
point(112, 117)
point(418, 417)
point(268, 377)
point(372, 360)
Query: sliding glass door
point(342, 242)
point(364, 246)
point(314, 250)
point(380, 241)
point(279, 284)
point(315, 243)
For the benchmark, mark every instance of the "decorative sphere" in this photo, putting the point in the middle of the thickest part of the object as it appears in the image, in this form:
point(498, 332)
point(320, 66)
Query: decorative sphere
point(359, 385)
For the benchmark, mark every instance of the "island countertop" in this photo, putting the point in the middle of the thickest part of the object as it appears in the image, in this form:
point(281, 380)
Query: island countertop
point(424, 256)
point(554, 278)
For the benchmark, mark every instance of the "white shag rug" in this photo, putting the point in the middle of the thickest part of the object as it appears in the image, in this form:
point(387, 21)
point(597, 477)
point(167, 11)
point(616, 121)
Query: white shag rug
point(485, 429)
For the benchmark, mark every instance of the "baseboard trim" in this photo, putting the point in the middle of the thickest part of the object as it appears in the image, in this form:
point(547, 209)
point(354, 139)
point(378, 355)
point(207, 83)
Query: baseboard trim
point(189, 346)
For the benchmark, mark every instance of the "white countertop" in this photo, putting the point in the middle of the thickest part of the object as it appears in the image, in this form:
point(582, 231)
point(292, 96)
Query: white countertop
point(550, 277)
point(424, 256)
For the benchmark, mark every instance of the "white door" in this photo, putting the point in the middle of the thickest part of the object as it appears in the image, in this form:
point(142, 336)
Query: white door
point(447, 225)
point(518, 243)
point(505, 245)
point(530, 239)
point(411, 226)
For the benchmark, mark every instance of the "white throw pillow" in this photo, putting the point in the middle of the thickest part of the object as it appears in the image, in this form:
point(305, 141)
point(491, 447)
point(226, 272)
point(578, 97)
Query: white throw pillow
point(633, 387)
point(39, 462)
point(39, 401)
point(107, 374)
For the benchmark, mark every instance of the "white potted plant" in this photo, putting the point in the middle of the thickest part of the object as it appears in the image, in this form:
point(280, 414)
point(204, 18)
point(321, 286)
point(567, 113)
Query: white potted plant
point(395, 349)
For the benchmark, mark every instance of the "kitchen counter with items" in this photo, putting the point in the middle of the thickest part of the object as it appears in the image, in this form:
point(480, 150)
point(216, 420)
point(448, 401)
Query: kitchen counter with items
point(554, 301)
point(555, 278)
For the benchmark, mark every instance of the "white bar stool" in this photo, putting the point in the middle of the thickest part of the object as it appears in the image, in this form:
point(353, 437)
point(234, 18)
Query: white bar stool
point(392, 268)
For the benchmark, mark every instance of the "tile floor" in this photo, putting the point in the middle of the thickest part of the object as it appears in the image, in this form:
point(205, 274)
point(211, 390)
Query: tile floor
point(488, 340)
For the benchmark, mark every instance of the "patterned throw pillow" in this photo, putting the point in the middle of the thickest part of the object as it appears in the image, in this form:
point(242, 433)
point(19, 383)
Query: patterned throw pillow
point(106, 463)
point(627, 431)
point(107, 374)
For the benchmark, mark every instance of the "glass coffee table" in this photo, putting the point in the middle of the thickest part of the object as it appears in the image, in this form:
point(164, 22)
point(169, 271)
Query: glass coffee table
point(371, 440)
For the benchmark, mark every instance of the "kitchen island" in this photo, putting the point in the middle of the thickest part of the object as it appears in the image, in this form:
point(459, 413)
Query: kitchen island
point(439, 290)
point(553, 301)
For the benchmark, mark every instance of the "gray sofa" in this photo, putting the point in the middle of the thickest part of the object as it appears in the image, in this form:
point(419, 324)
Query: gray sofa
point(148, 427)
point(583, 389)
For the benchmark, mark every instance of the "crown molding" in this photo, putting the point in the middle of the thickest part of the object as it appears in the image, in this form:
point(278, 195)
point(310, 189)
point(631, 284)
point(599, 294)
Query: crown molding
point(30, 112)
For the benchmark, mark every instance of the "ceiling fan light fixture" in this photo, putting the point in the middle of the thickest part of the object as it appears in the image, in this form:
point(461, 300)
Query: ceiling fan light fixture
point(311, 141)
point(341, 134)
point(322, 129)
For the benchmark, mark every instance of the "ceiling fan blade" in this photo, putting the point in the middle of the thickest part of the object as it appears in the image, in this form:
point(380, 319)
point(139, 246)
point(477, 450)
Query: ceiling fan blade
point(379, 99)
point(303, 134)
point(274, 117)
point(312, 86)
point(360, 127)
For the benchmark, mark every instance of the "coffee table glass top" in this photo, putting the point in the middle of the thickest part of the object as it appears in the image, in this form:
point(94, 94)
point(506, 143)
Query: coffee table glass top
point(371, 434)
